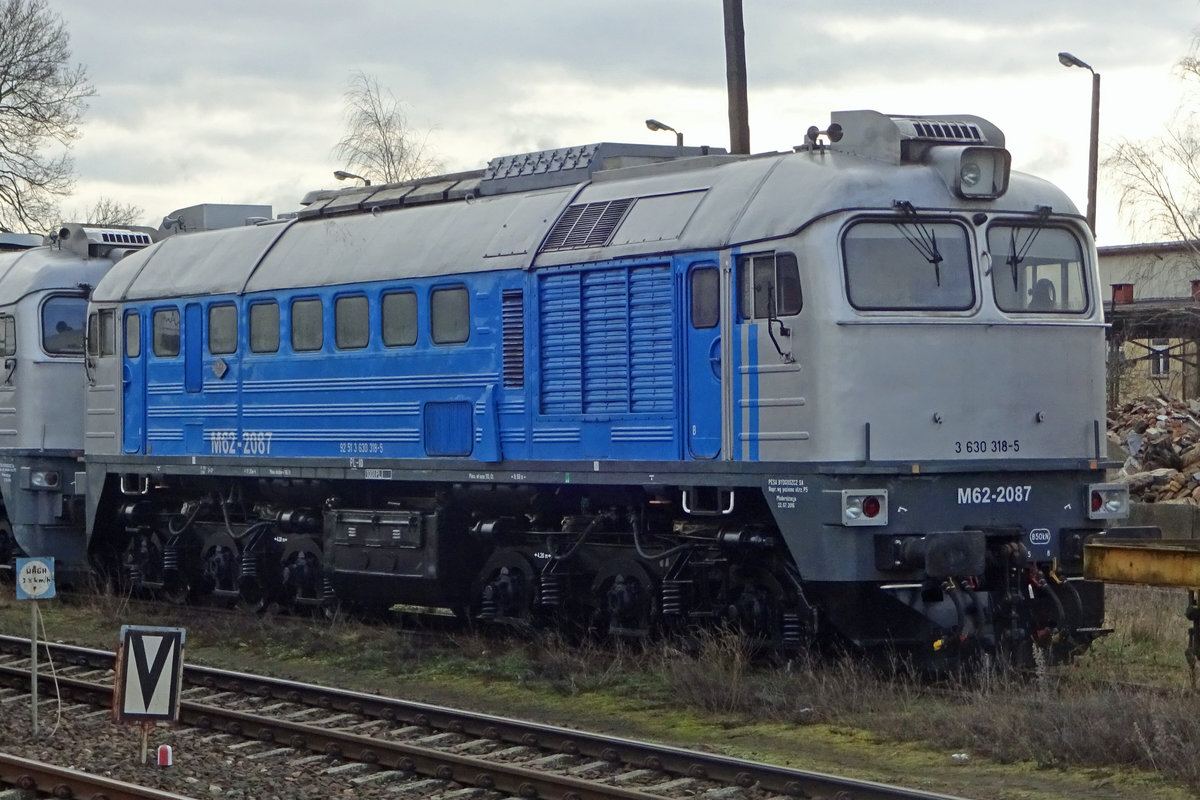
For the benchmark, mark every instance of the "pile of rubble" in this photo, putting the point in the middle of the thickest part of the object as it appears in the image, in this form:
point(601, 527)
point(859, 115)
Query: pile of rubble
point(1162, 440)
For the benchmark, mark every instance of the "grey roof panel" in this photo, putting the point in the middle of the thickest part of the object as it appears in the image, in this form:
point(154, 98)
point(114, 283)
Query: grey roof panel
point(44, 268)
point(213, 262)
point(419, 240)
point(658, 219)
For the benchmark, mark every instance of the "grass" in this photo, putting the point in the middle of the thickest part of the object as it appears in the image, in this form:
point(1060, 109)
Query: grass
point(1093, 724)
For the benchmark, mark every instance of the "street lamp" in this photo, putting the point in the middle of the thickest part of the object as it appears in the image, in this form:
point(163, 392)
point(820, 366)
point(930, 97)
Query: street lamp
point(1068, 60)
point(341, 176)
point(655, 125)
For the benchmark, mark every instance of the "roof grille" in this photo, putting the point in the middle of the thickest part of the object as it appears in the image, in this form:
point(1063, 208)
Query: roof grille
point(947, 131)
point(113, 237)
point(586, 225)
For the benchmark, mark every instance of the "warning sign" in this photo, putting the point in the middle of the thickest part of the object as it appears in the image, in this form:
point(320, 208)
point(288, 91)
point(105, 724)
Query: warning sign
point(149, 674)
point(35, 578)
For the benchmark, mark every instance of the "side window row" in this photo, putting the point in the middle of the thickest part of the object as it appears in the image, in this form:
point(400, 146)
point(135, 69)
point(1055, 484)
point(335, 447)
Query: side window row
point(449, 323)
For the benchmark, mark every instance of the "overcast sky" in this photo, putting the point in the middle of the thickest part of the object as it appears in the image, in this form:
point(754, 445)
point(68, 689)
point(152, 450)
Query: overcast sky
point(234, 101)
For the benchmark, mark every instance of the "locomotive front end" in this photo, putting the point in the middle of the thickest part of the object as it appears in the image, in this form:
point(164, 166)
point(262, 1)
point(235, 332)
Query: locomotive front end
point(955, 396)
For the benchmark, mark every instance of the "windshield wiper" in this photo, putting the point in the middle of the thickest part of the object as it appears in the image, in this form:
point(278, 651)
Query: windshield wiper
point(923, 239)
point(1017, 254)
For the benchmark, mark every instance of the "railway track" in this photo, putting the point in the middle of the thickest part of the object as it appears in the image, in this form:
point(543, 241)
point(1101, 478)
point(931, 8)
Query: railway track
point(37, 779)
point(383, 741)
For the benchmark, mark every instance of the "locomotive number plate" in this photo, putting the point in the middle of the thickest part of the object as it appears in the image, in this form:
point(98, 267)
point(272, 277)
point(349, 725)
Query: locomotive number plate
point(982, 495)
point(249, 443)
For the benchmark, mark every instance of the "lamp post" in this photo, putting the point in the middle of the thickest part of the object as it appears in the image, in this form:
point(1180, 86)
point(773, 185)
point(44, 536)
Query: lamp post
point(341, 175)
point(655, 125)
point(1068, 60)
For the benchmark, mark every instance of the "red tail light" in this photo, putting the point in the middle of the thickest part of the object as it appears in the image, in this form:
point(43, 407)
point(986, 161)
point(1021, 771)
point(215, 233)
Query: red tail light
point(871, 507)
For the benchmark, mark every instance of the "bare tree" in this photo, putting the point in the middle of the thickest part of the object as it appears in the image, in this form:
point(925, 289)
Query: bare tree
point(378, 144)
point(1159, 178)
point(42, 98)
point(106, 211)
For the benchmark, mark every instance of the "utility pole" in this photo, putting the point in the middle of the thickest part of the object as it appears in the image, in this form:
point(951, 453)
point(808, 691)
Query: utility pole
point(735, 76)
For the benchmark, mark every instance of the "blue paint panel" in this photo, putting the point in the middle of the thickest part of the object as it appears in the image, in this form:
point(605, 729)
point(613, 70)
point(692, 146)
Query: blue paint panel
point(602, 357)
point(361, 403)
point(133, 380)
point(605, 325)
point(652, 340)
point(608, 363)
point(449, 429)
point(561, 344)
point(193, 344)
point(702, 360)
point(607, 343)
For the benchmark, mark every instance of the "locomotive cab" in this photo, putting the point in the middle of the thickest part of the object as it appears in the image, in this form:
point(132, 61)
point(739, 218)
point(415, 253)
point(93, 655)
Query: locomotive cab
point(43, 308)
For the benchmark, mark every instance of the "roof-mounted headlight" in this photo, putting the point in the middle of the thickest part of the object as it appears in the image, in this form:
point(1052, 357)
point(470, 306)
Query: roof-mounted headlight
point(973, 173)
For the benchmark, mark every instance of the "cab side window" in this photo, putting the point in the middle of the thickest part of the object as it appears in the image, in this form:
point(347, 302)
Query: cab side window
point(63, 320)
point(769, 286)
point(8, 335)
point(133, 335)
point(705, 297)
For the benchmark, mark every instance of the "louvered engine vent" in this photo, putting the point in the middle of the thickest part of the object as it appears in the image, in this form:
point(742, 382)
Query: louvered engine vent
point(114, 237)
point(947, 131)
point(586, 225)
point(512, 313)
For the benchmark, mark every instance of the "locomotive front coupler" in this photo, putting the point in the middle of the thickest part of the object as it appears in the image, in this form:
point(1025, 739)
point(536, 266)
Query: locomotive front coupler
point(939, 554)
point(750, 537)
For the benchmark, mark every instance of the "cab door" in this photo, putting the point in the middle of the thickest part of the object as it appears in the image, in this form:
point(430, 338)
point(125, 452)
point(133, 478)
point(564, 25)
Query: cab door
point(133, 380)
point(702, 342)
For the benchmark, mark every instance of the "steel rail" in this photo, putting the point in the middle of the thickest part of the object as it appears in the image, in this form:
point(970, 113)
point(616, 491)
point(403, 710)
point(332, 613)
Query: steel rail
point(53, 781)
point(671, 760)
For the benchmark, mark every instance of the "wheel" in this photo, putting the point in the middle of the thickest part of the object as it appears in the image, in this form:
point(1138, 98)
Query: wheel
point(625, 600)
point(176, 590)
point(219, 564)
point(302, 573)
point(505, 589)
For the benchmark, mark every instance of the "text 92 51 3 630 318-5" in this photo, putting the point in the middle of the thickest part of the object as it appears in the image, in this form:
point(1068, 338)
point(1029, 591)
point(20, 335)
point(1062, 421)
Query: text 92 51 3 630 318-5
point(988, 446)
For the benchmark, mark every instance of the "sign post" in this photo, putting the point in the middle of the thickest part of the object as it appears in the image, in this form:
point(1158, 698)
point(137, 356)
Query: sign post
point(149, 677)
point(35, 580)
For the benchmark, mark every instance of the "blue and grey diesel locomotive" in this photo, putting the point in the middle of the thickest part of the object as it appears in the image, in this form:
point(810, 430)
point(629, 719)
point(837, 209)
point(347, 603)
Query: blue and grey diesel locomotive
point(849, 393)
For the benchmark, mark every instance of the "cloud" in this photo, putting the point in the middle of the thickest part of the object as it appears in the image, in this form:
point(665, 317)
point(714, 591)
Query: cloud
point(244, 101)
